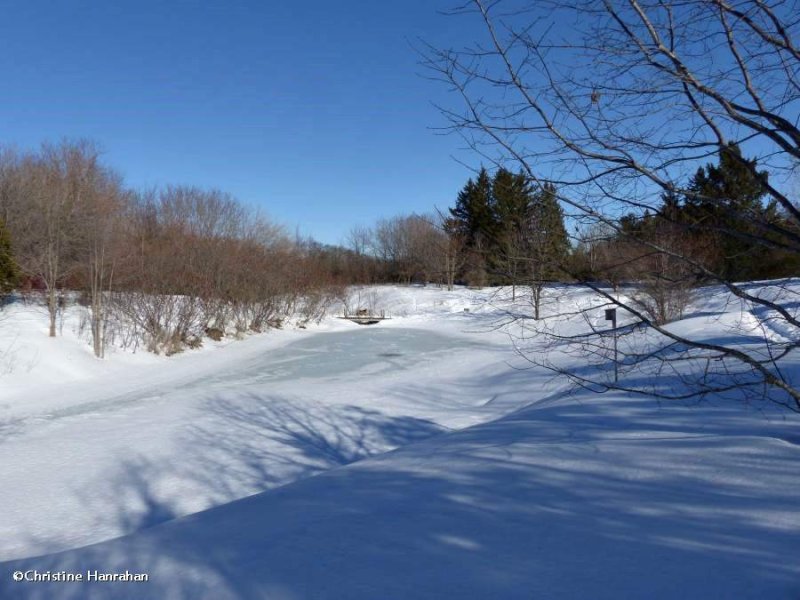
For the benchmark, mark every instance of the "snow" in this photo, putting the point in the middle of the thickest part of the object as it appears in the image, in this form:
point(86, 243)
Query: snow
point(420, 457)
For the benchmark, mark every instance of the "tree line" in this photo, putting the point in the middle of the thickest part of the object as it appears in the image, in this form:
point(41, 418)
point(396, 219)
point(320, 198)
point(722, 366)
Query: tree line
point(642, 114)
point(161, 268)
point(168, 266)
point(500, 231)
point(509, 229)
point(722, 225)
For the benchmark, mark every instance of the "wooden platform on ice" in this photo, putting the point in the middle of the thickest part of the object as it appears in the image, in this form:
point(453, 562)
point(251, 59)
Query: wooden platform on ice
point(362, 317)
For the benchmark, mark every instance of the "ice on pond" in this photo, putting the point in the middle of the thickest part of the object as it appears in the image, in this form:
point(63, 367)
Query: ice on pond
point(345, 352)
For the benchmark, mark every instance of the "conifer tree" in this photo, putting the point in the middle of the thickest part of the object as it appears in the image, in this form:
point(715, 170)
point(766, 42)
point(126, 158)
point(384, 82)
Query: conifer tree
point(473, 209)
point(548, 223)
point(511, 234)
point(549, 242)
point(512, 198)
point(474, 222)
point(725, 202)
point(9, 271)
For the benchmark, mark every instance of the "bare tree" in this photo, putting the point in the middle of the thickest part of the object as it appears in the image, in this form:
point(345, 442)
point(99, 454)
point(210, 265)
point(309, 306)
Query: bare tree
point(408, 246)
point(451, 246)
point(102, 236)
point(43, 200)
point(360, 240)
point(618, 102)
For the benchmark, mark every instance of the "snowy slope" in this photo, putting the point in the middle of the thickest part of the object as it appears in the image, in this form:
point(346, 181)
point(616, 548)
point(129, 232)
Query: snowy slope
point(504, 484)
point(606, 498)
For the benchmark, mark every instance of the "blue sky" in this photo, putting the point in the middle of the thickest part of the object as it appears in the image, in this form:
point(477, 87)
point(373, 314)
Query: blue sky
point(315, 111)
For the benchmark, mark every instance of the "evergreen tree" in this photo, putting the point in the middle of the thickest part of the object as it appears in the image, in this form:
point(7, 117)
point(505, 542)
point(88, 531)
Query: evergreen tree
point(511, 235)
point(549, 242)
point(725, 203)
point(473, 210)
point(512, 197)
point(9, 271)
point(473, 221)
point(549, 236)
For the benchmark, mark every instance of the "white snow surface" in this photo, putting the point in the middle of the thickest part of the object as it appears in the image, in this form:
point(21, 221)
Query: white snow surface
point(418, 458)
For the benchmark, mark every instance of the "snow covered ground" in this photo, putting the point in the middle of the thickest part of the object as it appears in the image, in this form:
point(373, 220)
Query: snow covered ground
point(265, 468)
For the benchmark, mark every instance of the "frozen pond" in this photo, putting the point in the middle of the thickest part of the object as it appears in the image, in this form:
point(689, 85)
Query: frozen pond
point(325, 355)
point(334, 356)
point(218, 433)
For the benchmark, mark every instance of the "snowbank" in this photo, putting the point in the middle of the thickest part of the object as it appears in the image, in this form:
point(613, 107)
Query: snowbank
point(265, 469)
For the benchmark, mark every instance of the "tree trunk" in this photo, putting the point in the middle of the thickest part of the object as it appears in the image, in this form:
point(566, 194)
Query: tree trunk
point(52, 309)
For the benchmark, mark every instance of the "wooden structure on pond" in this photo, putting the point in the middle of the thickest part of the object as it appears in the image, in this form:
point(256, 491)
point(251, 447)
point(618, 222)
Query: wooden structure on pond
point(364, 317)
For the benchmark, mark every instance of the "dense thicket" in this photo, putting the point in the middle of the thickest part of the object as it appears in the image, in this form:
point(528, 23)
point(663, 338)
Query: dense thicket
point(160, 268)
point(163, 268)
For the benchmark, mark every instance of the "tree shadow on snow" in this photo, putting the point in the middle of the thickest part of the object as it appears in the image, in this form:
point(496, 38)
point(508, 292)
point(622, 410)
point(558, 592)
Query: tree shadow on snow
point(594, 496)
point(245, 444)
point(499, 526)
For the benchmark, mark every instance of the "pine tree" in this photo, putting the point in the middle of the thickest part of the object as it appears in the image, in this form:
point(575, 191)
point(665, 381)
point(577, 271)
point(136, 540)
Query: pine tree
point(725, 202)
point(511, 234)
point(474, 222)
point(548, 232)
point(512, 197)
point(9, 271)
point(473, 209)
point(511, 194)
point(549, 242)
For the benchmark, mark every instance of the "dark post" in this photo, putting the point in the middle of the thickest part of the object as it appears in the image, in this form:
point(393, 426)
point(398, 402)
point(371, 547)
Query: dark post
point(611, 315)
